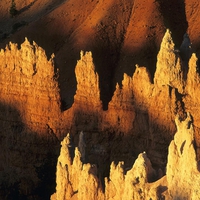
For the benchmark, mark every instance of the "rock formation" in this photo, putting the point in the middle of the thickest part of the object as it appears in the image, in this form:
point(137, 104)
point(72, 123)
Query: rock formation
point(29, 85)
point(140, 117)
point(29, 114)
point(181, 180)
point(183, 174)
point(169, 70)
point(80, 181)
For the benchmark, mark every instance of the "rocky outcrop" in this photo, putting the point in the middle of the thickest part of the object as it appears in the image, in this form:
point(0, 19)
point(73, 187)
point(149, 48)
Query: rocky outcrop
point(182, 168)
point(133, 184)
point(81, 181)
point(87, 93)
point(169, 70)
point(181, 180)
point(87, 107)
point(28, 84)
point(29, 115)
point(121, 111)
point(140, 117)
point(74, 178)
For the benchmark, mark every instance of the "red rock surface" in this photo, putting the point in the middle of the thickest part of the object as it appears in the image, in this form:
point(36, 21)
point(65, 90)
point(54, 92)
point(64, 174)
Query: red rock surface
point(120, 34)
point(76, 180)
point(123, 110)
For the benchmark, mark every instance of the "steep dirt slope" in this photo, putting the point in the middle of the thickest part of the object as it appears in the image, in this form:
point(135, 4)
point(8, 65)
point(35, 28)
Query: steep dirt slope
point(28, 11)
point(192, 13)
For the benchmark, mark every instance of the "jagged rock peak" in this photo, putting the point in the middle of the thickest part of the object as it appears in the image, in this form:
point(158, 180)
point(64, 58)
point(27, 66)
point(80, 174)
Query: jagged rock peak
point(169, 70)
point(123, 96)
point(182, 169)
point(76, 177)
point(80, 181)
point(167, 42)
point(88, 91)
point(193, 78)
point(29, 60)
point(138, 178)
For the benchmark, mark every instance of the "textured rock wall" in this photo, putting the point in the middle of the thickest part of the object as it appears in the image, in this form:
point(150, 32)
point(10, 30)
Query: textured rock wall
point(140, 116)
point(29, 117)
point(182, 168)
point(28, 84)
point(181, 181)
point(76, 180)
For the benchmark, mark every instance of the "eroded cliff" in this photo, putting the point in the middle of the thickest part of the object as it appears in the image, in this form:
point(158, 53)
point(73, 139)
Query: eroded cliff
point(29, 112)
point(140, 117)
point(76, 180)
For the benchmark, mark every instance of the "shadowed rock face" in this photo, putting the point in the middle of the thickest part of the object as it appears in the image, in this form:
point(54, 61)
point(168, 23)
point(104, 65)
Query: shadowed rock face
point(140, 117)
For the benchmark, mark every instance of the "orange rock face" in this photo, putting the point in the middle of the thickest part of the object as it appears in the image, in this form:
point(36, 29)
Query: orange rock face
point(28, 84)
point(140, 117)
point(182, 167)
point(79, 181)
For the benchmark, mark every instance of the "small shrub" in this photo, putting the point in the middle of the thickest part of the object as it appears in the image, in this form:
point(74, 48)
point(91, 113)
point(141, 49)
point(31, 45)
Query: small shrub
point(13, 10)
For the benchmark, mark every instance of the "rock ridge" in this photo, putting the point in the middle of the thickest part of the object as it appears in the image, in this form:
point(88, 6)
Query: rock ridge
point(180, 182)
point(140, 115)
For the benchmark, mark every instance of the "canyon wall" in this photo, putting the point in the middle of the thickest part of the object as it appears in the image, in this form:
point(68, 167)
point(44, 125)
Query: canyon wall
point(29, 117)
point(140, 117)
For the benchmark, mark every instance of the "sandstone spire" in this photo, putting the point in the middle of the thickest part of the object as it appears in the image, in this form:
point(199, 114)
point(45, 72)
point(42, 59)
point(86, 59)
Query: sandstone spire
point(121, 109)
point(169, 70)
point(88, 93)
point(182, 170)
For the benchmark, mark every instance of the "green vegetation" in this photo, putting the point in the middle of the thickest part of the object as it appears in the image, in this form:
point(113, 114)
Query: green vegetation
point(13, 10)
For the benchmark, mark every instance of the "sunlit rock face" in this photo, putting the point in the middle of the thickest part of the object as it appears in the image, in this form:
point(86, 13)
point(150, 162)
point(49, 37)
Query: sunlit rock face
point(29, 114)
point(140, 117)
point(76, 180)
point(87, 107)
point(28, 84)
point(169, 70)
point(182, 168)
point(87, 93)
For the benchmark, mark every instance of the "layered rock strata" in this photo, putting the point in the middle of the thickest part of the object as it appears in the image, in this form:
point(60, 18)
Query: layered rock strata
point(76, 180)
point(140, 116)
point(183, 174)
point(29, 115)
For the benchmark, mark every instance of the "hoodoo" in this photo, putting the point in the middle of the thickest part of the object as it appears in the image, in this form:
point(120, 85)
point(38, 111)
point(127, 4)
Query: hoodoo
point(101, 99)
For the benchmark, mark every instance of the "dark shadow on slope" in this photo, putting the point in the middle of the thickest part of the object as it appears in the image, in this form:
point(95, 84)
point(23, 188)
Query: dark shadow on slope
point(26, 7)
point(174, 18)
point(145, 56)
point(7, 25)
point(28, 160)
